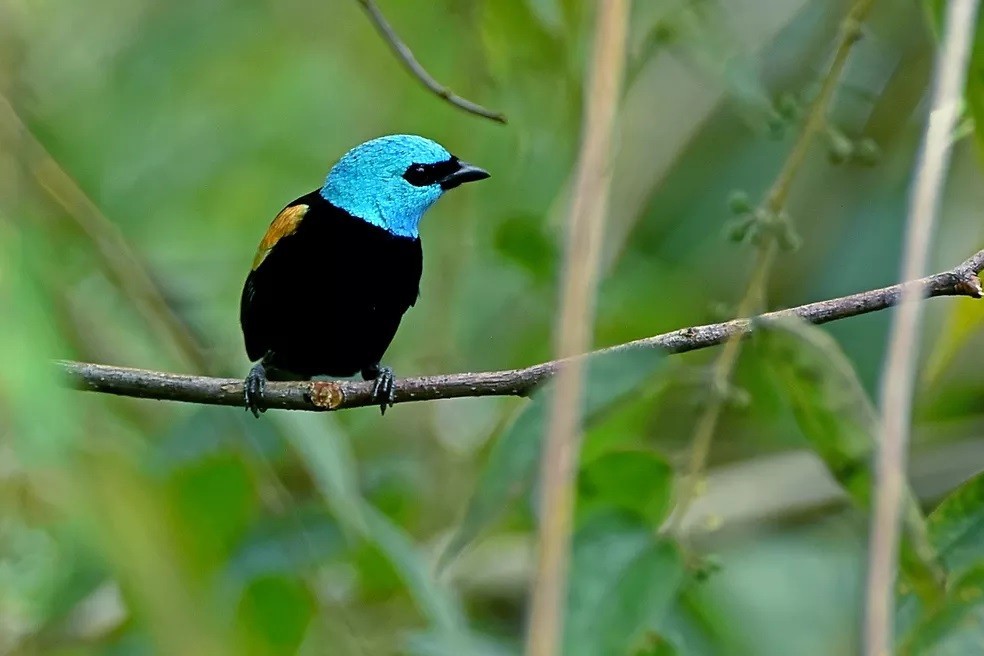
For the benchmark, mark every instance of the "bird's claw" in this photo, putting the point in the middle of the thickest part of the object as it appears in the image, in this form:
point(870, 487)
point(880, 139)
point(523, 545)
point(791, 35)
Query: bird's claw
point(253, 389)
point(384, 389)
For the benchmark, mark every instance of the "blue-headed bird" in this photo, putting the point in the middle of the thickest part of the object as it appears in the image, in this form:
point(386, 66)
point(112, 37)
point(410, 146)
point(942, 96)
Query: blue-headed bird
point(338, 267)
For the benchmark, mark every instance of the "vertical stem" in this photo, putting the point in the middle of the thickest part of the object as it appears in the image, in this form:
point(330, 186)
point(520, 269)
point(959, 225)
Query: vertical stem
point(575, 326)
point(899, 369)
point(753, 301)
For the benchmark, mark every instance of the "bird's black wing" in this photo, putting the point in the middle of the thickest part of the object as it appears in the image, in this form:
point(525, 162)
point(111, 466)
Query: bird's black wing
point(254, 308)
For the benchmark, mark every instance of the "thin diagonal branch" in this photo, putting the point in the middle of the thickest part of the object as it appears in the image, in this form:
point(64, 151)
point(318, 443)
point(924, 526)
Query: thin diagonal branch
point(903, 346)
point(961, 280)
point(405, 55)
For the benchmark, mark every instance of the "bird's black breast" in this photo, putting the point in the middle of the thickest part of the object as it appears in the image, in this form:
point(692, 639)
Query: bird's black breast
point(328, 296)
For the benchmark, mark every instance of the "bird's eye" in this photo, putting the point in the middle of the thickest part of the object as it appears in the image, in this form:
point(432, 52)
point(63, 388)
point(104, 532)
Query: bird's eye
point(417, 175)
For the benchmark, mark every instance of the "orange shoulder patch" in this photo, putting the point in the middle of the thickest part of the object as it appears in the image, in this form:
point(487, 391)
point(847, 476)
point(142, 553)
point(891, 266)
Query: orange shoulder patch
point(283, 224)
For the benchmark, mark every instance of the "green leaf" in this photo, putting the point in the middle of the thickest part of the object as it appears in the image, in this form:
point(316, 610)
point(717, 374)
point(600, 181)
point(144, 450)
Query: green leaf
point(623, 578)
point(634, 480)
point(827, 400)
point(834, 413)
point(956, 527)
point(609, 378)
point(275, 612)
point(957, 627)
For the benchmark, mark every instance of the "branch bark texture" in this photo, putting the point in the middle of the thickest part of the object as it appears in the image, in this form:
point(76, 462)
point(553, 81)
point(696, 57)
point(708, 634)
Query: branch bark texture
point(962, 280)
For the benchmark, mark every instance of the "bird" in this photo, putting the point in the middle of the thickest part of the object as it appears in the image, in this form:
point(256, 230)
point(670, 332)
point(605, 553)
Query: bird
point(338, 267)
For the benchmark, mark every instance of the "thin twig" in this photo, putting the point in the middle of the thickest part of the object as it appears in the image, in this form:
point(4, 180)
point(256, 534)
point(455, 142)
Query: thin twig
point(903, 345)
point(574, 328)
point(753, 300)
point(962, 280)
point(405, 55)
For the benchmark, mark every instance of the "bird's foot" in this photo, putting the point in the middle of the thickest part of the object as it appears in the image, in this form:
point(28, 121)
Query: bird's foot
point(253, 389)
point(384, 388)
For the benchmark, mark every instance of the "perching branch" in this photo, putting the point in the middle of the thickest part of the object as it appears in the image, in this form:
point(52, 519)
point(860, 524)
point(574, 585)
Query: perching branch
point(405, 55)
point(962, 280)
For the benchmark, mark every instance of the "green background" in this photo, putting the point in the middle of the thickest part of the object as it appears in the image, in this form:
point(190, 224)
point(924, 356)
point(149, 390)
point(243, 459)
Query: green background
point(138, 527)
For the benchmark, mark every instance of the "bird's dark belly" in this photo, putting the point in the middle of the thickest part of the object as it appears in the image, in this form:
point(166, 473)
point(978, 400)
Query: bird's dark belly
point(328, 298)
point(317, 334)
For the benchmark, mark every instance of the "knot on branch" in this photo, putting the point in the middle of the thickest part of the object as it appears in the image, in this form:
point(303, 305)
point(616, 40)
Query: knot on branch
point(969, 284)
point(326, 395)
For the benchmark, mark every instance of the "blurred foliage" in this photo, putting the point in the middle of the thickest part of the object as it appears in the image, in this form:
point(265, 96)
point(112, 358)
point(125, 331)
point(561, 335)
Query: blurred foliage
point(840, 423)
point(955, 627)
point(512, 461)
point(134, 527)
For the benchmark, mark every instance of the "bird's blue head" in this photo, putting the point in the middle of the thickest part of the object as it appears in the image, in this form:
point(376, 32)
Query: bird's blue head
point(391, 181)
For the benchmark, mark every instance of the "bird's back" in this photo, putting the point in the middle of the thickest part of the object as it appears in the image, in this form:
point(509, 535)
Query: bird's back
point(328, 295)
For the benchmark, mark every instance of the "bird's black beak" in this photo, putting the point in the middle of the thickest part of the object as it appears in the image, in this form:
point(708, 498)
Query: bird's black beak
point(465, 173)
